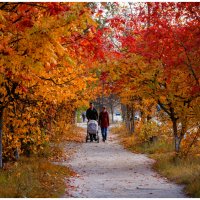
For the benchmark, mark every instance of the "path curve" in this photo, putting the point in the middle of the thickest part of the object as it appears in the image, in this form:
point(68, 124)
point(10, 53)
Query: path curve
point(108, 170)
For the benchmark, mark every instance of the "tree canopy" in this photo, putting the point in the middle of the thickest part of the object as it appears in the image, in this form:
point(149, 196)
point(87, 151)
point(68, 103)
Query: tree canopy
point(55, 56)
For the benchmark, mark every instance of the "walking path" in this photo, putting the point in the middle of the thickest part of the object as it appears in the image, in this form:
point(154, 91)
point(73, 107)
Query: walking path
point(108, 170)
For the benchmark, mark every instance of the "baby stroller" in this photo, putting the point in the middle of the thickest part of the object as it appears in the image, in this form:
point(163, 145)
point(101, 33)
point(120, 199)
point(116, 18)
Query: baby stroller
point(92, 131)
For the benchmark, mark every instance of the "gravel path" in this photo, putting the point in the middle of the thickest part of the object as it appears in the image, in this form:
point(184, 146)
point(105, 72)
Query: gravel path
point(108, 170)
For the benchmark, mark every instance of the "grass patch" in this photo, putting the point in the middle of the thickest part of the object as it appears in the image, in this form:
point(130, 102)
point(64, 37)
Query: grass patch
point(180, 170)
point(37, 176)
point(157, 147)
point(34, 178)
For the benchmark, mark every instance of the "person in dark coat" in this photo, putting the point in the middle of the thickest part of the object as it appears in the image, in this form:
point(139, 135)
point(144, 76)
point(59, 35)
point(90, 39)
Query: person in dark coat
point(92, 114)
point(104, 122)
point(83, 116)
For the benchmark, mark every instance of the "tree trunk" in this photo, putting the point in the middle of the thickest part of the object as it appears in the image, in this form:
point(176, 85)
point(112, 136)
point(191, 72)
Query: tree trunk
point(130, 119)
point(177, 139)
point(123, 108)
point(16, 154)
point(1, 132)
point(177, 144)
point(127, 118)
point(148, 117)
point(132, 128)
point(142, 117)
point(73, 120)
point(98, 106)
point(148, 20)
point(111, 110)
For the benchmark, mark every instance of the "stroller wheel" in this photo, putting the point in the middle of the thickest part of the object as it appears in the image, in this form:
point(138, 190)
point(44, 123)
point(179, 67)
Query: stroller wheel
point(86, 139)
point(97, 139)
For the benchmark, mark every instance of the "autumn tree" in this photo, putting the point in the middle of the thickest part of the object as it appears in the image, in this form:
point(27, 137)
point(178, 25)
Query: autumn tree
point(158, 47)
point(45, 67)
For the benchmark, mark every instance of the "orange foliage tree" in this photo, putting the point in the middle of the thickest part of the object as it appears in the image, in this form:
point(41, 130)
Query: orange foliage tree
point(46, 67)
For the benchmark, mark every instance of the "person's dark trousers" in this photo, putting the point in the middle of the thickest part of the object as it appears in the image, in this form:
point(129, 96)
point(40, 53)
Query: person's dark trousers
point(93, 137)
point(104, 132)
